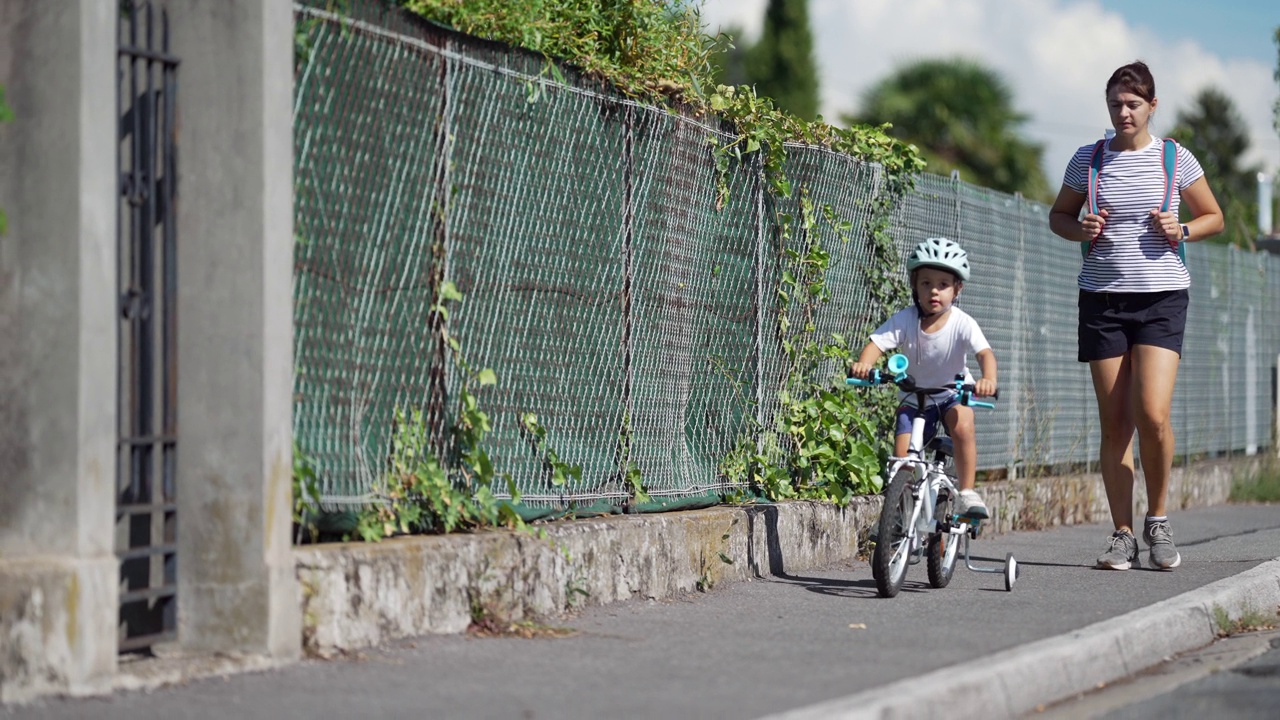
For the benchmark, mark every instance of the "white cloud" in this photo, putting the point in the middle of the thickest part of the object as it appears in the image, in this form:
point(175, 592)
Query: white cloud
point(1056, 56)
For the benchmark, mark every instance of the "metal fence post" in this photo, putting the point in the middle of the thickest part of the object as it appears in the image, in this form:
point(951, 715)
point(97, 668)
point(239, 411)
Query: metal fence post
point(955, 189)
point(758, 193)
point(438, 386)
point(628, 229)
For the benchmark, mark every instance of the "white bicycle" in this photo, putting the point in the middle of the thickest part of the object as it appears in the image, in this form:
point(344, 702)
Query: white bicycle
point(919, 518)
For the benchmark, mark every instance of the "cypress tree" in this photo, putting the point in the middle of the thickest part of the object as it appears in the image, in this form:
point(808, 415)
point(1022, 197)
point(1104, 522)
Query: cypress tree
point(780, 64)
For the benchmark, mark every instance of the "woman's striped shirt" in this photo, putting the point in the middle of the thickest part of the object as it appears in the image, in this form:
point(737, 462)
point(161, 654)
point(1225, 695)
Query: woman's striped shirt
point(1131, 254)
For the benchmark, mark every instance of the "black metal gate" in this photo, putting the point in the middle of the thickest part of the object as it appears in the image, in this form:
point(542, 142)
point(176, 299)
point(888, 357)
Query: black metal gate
point(146, 505)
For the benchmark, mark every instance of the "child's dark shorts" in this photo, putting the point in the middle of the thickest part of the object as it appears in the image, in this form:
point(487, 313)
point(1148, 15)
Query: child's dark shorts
point(932, 413)
point(1112, 323)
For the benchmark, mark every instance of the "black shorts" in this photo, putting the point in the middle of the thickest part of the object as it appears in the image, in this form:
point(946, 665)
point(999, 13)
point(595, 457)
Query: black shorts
point(1112, 323)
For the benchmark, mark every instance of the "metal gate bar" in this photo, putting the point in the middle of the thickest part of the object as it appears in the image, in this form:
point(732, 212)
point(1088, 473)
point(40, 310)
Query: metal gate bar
point(146, 508)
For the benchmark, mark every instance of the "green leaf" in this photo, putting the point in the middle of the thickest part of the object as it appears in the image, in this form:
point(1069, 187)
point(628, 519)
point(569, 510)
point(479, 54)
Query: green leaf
point(555, 73)
point(449, 291)
point(487, 377)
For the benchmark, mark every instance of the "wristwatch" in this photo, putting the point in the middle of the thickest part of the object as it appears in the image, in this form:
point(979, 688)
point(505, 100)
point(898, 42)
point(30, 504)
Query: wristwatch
point(1186, 232)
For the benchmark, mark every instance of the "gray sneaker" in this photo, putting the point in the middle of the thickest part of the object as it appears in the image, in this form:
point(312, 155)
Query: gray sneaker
point(1122, 553)
point(1159, 538)
point(970, 505)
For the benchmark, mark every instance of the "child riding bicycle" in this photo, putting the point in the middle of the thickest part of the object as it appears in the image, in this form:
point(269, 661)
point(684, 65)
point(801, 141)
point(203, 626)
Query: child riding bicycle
point(936, 338)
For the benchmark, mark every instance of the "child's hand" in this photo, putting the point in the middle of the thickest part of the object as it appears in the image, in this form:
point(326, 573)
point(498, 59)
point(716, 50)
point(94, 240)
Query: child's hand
point(984, 388)
point(859, 370)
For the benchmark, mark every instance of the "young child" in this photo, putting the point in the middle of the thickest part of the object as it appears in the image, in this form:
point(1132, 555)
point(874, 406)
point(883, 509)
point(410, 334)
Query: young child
point(936, 338)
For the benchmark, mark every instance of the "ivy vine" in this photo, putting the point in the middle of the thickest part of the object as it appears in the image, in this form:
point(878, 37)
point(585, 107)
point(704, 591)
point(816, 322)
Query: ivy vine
point(824, 444)
point(419, 492)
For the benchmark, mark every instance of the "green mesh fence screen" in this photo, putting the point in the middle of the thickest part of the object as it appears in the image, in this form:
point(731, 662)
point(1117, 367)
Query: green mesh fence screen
point(615, 301)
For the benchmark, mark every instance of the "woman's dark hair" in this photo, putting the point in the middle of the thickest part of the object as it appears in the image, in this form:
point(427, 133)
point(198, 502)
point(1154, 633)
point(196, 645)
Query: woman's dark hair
point(1134, 78)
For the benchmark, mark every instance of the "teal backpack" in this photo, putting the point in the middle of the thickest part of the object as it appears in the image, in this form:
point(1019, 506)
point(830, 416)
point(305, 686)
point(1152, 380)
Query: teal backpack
point(1168, 158)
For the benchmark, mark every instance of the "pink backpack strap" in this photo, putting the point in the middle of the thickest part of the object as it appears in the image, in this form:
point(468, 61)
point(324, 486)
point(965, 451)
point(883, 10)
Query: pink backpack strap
point(1091, 189)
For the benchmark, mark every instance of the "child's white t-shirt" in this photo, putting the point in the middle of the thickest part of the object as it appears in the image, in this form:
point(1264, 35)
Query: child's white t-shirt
point(934, 359)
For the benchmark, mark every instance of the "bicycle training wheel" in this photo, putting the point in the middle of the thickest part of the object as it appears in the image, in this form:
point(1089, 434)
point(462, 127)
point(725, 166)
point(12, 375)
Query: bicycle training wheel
point(942, 547)
point(893, 545)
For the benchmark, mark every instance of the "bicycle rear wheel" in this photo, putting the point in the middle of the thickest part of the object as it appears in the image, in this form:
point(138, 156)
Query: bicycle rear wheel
point(942, 547)
point(893, 544)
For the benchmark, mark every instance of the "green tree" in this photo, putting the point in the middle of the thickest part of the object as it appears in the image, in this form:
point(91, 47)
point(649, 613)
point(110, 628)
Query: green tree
point(1275, 110)
point(780, 64)
point(960, 114)
point(728, 65)
point(1215, 132)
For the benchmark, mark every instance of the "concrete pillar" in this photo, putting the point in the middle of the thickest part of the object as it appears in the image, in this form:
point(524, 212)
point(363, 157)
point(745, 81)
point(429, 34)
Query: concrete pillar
point(58, 300)
point(237, 590)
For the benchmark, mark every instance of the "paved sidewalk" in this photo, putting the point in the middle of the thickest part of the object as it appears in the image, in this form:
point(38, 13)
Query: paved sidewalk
point(802, 644)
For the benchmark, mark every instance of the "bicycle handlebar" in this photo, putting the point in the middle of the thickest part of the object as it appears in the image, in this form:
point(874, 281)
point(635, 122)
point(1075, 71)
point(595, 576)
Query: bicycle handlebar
point(906, 383)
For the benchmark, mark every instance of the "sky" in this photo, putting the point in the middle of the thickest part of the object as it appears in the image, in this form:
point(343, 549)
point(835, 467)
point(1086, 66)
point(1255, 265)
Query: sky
point(1055, 55)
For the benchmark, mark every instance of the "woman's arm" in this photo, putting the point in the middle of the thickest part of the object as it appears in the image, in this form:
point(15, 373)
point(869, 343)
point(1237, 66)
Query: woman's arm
point(1206, 216)
point(1064, 217)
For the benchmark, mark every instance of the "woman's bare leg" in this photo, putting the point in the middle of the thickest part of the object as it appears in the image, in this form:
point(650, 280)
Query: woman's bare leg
point(1111, 384)
point(1155, 369)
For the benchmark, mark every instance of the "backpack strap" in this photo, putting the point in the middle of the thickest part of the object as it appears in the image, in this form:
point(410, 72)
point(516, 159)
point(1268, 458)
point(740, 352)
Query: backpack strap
point(1095, 169)
point(1168, 160)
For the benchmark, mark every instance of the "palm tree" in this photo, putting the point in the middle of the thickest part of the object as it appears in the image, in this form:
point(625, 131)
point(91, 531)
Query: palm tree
point(1214, 131)
point(960, 115)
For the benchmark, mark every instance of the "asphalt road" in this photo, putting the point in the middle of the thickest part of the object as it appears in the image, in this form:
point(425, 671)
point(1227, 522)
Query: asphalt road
point(743, 650)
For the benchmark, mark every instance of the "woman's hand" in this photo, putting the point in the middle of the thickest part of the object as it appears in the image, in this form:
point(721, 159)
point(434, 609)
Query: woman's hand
point(1166, 223)
point(1092, 224)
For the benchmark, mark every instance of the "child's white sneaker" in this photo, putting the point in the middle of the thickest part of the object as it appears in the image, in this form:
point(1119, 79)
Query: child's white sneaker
point(971, 505)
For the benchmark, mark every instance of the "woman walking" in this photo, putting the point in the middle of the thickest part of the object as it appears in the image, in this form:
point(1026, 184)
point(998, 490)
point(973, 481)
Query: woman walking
point(1133, 297)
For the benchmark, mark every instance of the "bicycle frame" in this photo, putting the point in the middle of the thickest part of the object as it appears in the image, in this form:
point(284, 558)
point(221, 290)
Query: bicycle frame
point(930, 480)
point(915, 527)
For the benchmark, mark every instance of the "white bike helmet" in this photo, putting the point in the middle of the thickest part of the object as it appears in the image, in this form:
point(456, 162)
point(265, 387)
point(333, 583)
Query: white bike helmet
point(939, 252)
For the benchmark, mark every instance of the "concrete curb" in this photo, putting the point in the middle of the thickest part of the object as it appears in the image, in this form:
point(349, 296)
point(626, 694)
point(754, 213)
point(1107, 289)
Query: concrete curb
point(1016, 681)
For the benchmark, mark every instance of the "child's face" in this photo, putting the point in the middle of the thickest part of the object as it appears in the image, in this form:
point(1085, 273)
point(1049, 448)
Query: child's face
point(936, 289)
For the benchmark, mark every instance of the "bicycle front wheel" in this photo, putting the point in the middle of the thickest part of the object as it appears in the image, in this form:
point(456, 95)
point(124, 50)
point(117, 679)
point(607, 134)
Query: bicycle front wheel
point(893, 544)
point(942, 547)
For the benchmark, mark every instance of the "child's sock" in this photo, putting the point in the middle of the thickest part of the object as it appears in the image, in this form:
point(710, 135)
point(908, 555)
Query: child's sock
point(1153, 518)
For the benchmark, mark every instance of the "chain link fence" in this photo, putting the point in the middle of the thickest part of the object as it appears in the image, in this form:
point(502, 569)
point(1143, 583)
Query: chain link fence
point(618, 304)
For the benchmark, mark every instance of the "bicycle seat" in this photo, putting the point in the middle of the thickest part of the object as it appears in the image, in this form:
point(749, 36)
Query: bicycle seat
point(941, 444)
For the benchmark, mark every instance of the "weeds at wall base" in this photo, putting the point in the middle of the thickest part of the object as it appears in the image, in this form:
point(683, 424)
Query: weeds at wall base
point(1261, 485)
